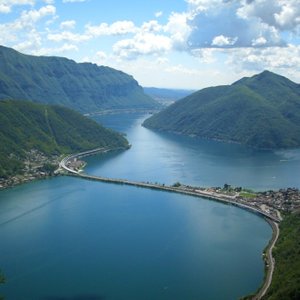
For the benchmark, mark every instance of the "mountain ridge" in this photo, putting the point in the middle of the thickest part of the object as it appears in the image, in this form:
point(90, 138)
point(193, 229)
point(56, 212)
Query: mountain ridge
point(84, 87)
point(262, 111)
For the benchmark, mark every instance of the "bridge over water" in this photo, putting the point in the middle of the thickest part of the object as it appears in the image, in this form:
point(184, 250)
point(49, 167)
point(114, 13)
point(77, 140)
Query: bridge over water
point(181, 190)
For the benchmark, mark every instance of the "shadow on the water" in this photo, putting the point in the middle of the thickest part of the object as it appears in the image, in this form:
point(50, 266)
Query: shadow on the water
point(103, 158)
point(79, 297)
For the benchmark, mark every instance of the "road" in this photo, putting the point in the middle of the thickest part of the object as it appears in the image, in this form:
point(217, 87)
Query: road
point(271, 262)
point(198, 193)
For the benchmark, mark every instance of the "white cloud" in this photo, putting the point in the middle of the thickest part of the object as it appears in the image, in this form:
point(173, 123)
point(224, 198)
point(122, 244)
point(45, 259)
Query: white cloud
point(100, 55)
point(32, 16)
point(205, 55)
point(179, 29)
point(281, 14)
point(117, 28)
point(68, 36)
point(151, 26)
point(275, 59)
point(33, 42)
point(69, 24)
point(222, 40)
point(260, 41)
point(4, 9)
point(237, 20)
point(158, 14)
point(143, 43)
point(22, 32)
point(54, 51)
point(6, 5)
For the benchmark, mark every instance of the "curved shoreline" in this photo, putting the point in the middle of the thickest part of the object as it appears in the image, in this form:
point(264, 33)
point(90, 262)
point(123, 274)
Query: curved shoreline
point(270, 262)
point(273, 221)
point(198, 193)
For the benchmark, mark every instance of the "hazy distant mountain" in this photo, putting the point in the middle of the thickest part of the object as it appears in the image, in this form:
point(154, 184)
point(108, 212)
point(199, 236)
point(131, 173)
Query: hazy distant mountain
point(84, 87)
point(50, 130)
point(262, 111)
point(166, 96)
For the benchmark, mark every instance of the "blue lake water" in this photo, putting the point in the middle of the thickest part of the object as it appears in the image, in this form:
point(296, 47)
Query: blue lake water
point(68, 238)
point(167, 158)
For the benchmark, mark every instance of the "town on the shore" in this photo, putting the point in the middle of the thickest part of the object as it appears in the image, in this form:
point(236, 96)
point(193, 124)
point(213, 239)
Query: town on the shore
point(38, 166)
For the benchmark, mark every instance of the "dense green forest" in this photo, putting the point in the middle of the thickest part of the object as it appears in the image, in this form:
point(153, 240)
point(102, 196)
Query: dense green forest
point(286, 279)
point(262, 111)
point(51, 130)
point(84, 87)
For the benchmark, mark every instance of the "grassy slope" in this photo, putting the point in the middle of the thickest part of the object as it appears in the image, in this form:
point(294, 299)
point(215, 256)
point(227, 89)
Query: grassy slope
point(49, 129)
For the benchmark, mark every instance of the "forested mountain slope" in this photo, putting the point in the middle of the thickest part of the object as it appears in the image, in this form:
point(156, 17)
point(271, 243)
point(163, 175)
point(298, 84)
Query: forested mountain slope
point(51, 130)
point(262, 111)
point(84, 87)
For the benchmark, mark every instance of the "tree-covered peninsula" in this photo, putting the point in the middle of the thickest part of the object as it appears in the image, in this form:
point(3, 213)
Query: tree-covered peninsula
point(31, 134)
point(84, 87)
point(262, 111)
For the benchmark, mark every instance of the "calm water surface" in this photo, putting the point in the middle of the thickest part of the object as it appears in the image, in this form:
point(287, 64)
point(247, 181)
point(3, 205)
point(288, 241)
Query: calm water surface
point(167, 158)
point(68, 238)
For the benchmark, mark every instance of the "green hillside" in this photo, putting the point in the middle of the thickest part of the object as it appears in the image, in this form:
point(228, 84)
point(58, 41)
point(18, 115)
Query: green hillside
point(51, 130)
point(286, 279)
point(84, 87)
point(262, 111)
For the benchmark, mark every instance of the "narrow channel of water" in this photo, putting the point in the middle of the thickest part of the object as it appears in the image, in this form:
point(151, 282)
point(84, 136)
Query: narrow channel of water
point(168, 158)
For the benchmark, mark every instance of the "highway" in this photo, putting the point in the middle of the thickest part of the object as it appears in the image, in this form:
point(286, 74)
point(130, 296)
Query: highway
point(198, 193)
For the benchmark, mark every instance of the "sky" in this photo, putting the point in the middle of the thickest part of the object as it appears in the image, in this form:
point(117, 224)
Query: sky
point(184, 44)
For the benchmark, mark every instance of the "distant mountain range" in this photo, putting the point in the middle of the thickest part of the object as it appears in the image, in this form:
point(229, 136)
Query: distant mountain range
point(51, 130)
point(166, 96)
point(84, 87)
point(262, 111)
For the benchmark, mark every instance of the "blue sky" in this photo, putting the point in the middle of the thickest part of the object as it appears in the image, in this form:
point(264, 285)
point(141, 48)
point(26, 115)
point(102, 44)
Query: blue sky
point(164, 43)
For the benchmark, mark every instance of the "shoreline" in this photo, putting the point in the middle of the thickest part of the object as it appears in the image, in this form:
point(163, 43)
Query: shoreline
point(269, 261)
point(66, 164)
point(268, 258)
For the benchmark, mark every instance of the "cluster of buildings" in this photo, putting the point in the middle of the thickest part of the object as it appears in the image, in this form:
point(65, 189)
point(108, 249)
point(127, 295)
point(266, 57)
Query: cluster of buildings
point(35, 166)
point(287, 200)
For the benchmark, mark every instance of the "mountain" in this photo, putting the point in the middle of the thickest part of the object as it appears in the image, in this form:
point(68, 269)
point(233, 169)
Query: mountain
point(262, 111)
point(166, 96)
point(50, 130)
point(84, 87)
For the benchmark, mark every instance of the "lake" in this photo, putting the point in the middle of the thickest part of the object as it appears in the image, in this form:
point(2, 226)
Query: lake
point(68, 238)
point(168, 158)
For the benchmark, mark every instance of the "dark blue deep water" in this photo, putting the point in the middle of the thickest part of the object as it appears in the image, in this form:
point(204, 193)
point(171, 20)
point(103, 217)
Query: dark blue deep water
point(67, 238)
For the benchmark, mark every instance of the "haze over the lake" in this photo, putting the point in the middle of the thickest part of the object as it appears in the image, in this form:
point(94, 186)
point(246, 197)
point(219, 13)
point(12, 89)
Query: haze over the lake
point(179, 44)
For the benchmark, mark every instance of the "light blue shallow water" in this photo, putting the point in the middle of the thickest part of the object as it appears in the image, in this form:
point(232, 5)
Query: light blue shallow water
point(68, 238)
